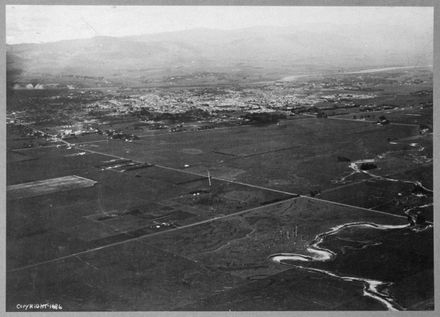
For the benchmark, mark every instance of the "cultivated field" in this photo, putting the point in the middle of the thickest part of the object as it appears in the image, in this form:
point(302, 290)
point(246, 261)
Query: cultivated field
point(305, 213)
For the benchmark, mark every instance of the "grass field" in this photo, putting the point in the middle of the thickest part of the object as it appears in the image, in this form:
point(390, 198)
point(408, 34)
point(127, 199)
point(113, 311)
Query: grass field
point(166, 237)
point(48, 186)
point(285, 156)
point(121, 205)
point(218, 265)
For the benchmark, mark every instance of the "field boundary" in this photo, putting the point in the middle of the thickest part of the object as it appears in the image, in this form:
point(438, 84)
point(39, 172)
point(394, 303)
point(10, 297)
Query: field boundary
point(147, 236)
point(193, 225)
point(294, 196)
point(352, 206)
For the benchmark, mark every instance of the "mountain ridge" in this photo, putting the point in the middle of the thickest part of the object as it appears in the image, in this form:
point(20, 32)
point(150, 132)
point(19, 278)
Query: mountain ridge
point(269, 49)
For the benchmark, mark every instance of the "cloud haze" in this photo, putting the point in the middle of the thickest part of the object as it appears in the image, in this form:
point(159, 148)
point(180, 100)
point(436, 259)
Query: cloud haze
point(47, 23)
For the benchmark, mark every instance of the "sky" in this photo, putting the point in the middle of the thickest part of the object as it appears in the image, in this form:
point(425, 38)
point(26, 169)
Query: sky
point(48, 23)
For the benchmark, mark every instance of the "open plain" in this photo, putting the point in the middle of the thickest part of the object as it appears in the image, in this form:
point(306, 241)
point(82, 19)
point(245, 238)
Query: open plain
point(307, 210)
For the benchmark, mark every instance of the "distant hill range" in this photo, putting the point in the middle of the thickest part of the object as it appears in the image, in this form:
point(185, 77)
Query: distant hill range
point(204, 54)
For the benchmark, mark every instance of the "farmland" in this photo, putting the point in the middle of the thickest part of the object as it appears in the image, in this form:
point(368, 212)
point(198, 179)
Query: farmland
point(156, 209)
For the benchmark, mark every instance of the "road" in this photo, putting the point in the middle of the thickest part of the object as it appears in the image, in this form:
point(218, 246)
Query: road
point(144, 237)
point(294, 196)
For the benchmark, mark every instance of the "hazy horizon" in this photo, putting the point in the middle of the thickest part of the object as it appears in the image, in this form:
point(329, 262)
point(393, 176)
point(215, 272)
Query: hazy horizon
point(258, 42)
point(51, 23)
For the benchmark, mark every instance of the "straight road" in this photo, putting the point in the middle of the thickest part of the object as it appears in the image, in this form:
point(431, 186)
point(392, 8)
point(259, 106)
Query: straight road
point(145, 236)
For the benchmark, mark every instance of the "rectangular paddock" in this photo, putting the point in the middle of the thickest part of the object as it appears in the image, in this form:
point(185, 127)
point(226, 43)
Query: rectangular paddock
point(48, 186)
point(14, 156)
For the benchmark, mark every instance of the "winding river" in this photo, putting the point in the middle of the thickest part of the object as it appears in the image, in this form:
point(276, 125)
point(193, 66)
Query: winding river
point(375, 289)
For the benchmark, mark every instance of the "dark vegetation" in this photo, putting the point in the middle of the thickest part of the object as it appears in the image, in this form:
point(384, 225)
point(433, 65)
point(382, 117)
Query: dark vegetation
point(143, 218)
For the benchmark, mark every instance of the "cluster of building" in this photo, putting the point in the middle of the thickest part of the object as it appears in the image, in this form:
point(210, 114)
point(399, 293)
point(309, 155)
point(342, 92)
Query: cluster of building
point(69, 114)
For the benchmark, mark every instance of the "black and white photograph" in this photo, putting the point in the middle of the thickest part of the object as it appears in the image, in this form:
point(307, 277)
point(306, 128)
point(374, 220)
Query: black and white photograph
point(219, 158)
